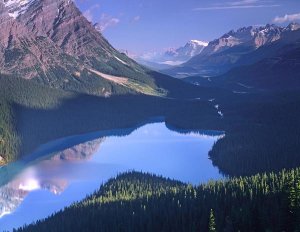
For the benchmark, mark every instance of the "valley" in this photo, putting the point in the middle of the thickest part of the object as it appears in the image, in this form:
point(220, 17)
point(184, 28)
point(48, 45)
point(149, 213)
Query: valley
point(93, 139)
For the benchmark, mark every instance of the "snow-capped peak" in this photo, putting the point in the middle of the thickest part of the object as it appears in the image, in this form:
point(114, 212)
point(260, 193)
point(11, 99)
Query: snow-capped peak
point(293, 26)
point(17, 7)
point(172, 56)
point(200, 43)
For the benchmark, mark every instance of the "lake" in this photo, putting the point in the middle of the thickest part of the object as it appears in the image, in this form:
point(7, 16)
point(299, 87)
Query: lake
point(67, 170)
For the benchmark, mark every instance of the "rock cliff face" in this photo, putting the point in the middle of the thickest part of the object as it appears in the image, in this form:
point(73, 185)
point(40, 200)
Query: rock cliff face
point(244, 46)
point(251, 37)
point(51, 42)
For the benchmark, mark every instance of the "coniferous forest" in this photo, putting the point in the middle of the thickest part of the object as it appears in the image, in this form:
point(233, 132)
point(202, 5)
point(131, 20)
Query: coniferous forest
point(143, 202)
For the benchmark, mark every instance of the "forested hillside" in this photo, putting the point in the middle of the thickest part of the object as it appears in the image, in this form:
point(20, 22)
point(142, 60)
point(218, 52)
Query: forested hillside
point(33, 114)
point(16, 92)
point(143, 202)
point(262, 133)
point(9, 141)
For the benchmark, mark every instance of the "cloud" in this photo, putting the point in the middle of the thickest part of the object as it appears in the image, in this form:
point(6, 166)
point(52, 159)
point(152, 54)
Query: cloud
point(243, 4)
point(136, 18)
point(234, 7)
point(89, 13)
point(149, 56)
point(105, 22)
point(172, 63)
point(287, 18)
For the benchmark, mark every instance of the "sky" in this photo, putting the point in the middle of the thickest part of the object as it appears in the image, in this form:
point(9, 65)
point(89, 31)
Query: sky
point(142, 26)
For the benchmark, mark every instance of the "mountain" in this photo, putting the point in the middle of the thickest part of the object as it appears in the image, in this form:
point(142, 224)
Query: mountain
point(172, 57)
point(278, 72)
point(51, 42)
point(272, 67)
point(236, 48)
point(191, 49)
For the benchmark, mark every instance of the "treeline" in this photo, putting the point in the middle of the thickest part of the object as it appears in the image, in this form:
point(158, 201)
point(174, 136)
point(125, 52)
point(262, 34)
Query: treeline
point(143, 202)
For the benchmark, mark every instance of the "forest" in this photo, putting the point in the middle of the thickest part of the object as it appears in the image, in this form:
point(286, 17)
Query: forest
point(9, 141)
point(262, 133)
point(143, 202)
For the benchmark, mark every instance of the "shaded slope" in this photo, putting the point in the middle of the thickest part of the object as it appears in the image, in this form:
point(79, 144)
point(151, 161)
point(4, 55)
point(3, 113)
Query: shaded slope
point(281, 71)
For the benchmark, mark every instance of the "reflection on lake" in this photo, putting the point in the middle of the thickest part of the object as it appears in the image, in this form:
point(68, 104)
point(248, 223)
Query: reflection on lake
point(35, 188)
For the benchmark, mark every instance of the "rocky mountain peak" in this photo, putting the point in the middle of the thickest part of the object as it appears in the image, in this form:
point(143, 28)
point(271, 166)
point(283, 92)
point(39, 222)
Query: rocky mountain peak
point(293, 26)
point(266, 34)
point(192, 48)
point(238, 47)
point(51, 42)
point(245, 29)
point(246, 36)
point(172, 56)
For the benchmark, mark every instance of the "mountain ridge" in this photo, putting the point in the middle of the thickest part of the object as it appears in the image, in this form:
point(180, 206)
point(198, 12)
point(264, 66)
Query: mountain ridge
point(274, 67)
point(234, 49)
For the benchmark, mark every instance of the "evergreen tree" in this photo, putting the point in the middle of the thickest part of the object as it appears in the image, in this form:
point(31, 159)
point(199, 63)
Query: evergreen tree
point(212, 222)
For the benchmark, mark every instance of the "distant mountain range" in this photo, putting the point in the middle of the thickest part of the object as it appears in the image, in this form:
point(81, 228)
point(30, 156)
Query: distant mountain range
point(273, 66)
point(278, 71)
point(245, 46)
point(172, 56)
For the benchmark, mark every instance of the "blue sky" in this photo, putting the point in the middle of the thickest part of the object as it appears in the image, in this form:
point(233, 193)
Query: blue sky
point(143, 26)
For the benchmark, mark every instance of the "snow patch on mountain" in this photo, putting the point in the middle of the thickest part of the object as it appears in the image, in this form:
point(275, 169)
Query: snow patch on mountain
point(17, 7)
point(118, 59)
point(252, 36)
point(199, 43)
point(173, 56)
point(192, 48)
